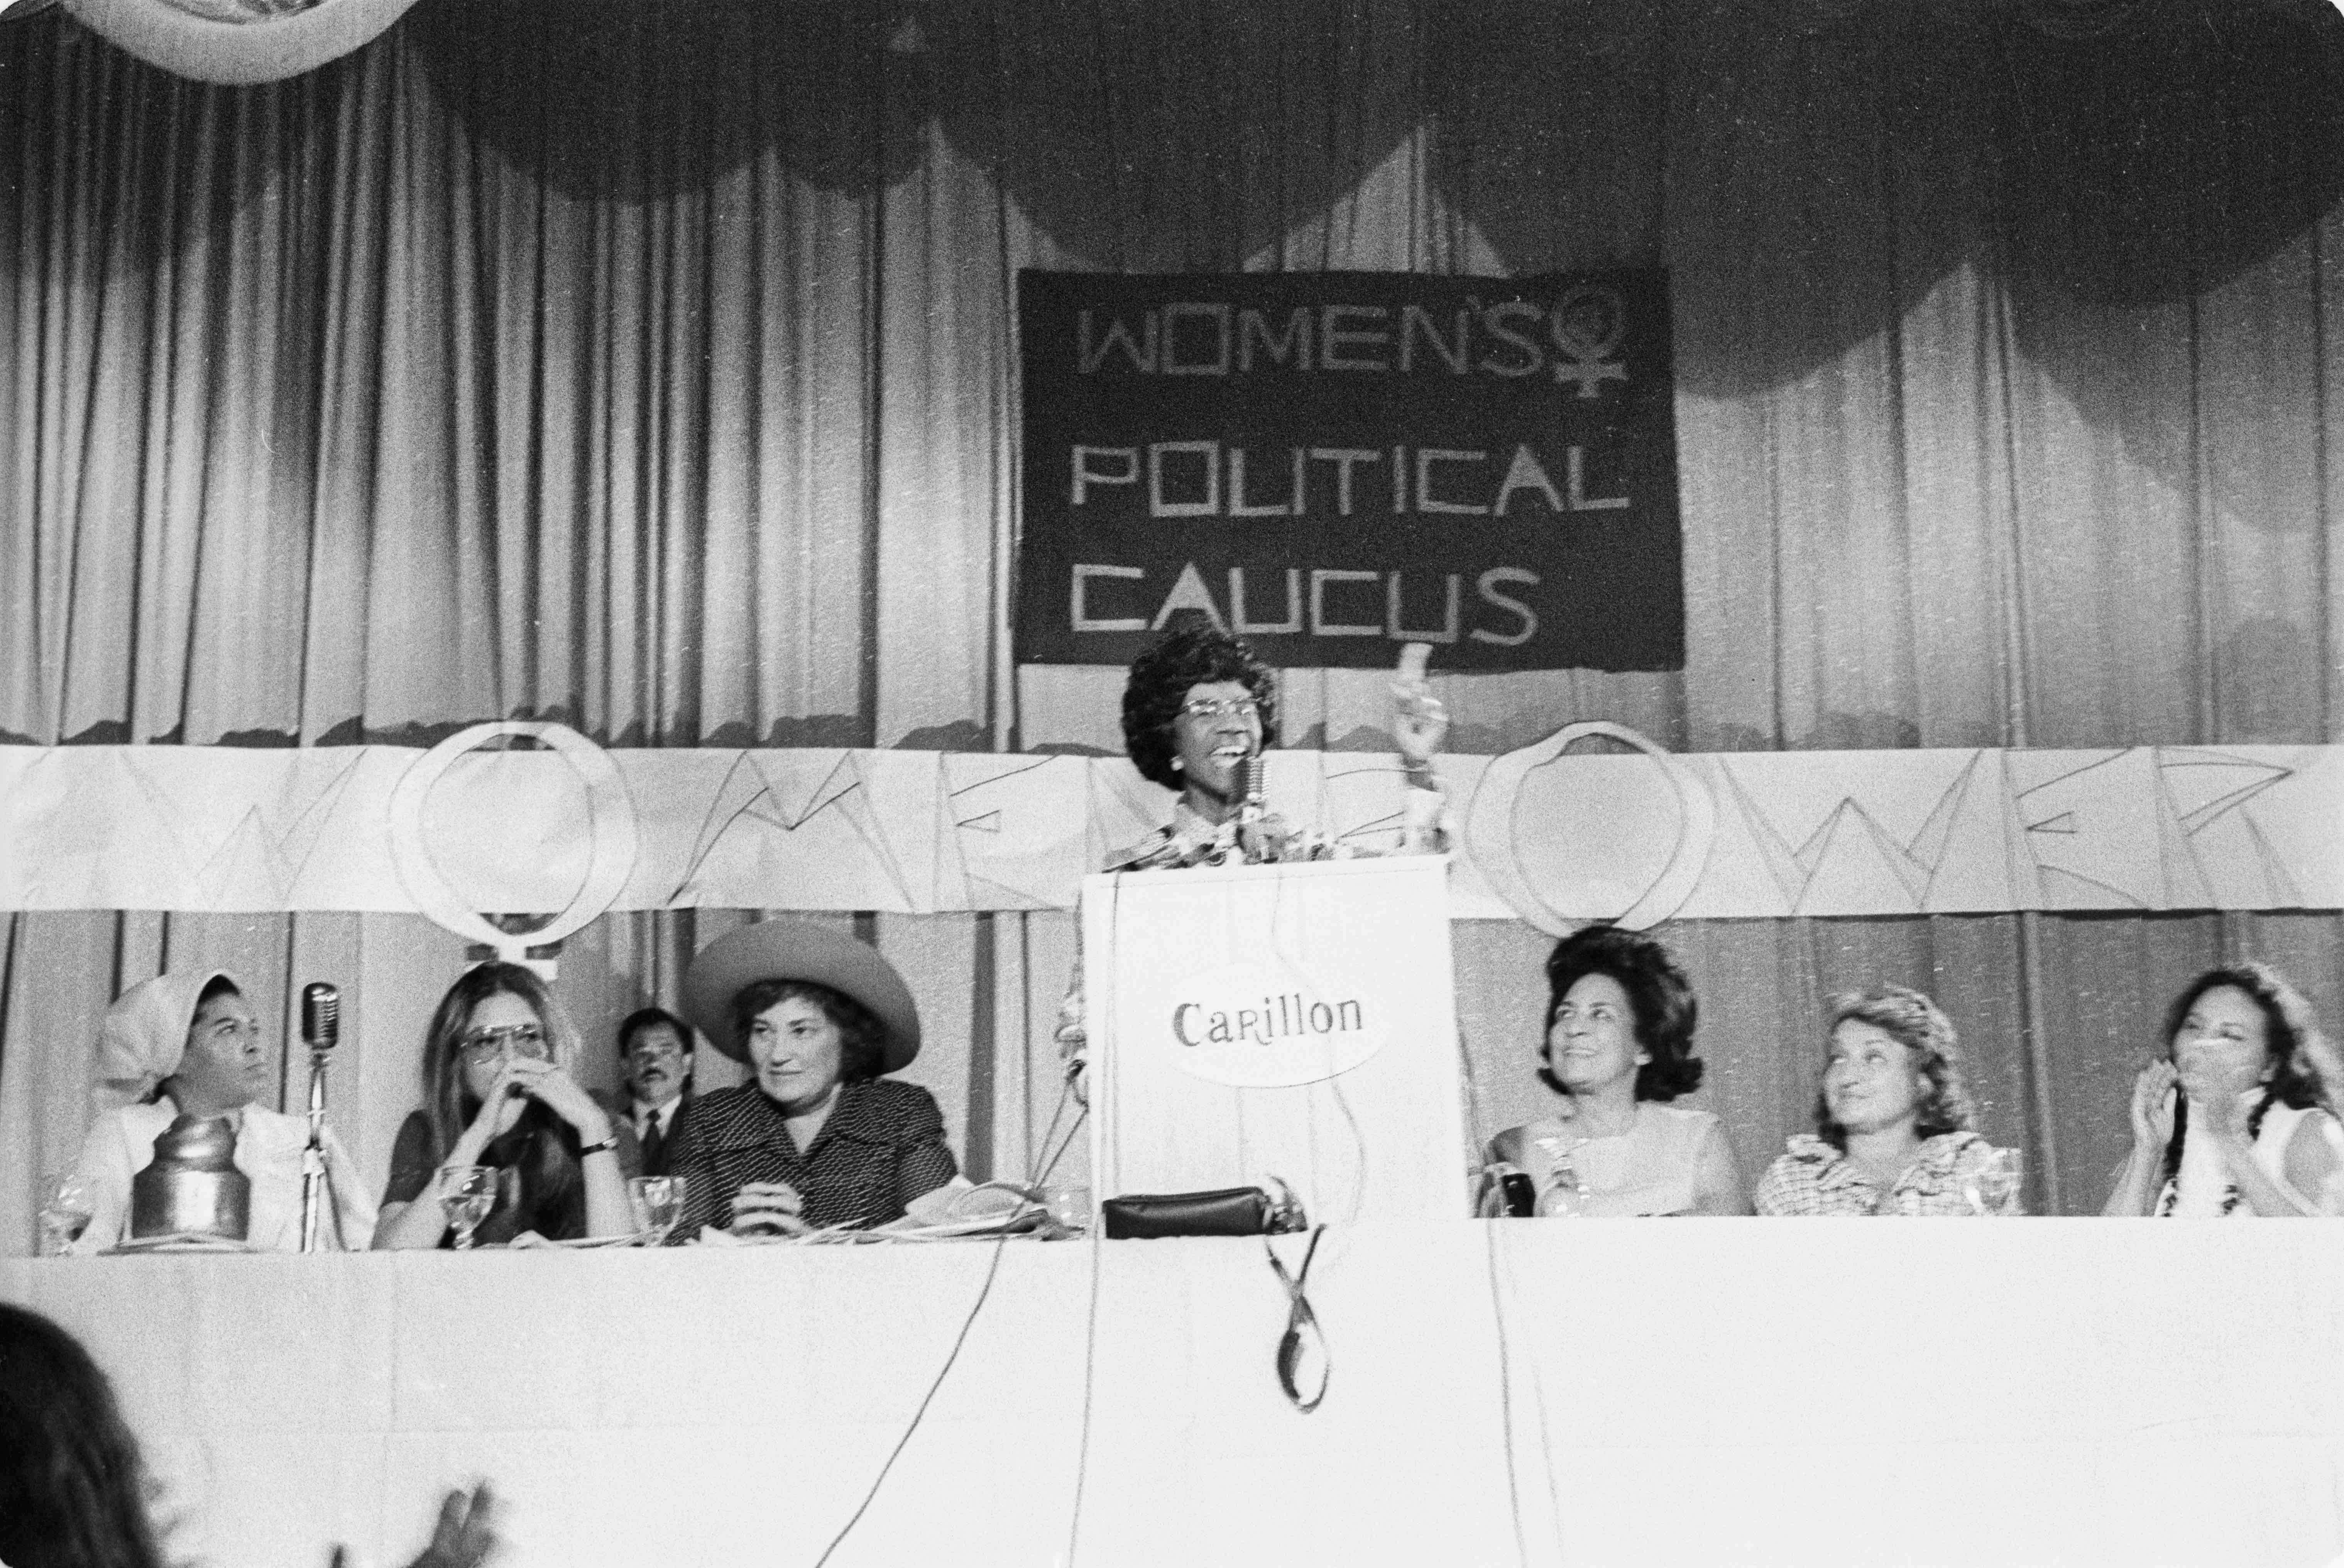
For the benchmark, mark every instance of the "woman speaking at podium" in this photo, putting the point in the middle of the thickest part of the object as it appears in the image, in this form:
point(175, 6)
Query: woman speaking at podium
point(1198, 707)
point(1198, 710)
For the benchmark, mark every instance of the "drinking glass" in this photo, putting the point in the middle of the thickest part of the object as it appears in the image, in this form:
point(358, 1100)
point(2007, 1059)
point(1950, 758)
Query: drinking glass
point(64, 1211)
point(1562, 1192)
point(658, 1203)
point(467, 1193)
point(1994, 1188)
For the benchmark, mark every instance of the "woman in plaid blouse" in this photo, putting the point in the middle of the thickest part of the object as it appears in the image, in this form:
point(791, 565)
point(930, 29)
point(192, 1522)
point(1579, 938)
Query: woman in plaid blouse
point(1892, 1120)
point(818, 1138)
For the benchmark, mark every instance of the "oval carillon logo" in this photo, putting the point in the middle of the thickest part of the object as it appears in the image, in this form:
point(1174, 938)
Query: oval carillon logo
point(1262, 1025)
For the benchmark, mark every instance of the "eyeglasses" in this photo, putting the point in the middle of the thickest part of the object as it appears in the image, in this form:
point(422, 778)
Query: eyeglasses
point(654, 1049)
point(1208, 709)
point(479, 1048)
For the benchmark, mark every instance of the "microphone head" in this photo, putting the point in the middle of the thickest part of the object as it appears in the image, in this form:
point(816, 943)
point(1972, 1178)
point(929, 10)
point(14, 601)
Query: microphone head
point(321, 1015)
point(1250, 774)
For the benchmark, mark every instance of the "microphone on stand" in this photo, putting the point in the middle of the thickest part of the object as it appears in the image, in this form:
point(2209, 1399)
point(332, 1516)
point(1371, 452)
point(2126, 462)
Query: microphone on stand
point(1250, 809)
point(321, 1016)
point(321, 1028)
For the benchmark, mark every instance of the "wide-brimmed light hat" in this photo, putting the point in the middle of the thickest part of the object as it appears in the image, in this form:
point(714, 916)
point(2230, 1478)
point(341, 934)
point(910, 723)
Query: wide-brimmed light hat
point(798, 950)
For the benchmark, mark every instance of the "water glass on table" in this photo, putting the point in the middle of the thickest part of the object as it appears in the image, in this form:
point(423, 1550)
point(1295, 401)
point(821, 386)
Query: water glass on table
point(65, 1209)
point(659, 1204)
point(467, 1193)
point(1562, 1192)
point(1992, 1190)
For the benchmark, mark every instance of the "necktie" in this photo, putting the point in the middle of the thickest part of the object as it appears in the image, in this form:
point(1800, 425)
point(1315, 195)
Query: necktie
point(652, 1141)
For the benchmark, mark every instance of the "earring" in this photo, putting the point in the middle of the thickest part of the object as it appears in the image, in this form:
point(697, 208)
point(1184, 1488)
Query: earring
point(1175, 764)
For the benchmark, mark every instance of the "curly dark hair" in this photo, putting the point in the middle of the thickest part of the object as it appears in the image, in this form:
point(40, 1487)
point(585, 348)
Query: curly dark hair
point(1921, 1027)
point(862, 1038)
point(1658, 996)
point(72, 1487)
point(2289, 1028)
point(1196, 653)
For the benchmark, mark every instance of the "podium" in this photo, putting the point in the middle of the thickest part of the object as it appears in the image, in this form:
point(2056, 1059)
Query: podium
point(1297, 1021)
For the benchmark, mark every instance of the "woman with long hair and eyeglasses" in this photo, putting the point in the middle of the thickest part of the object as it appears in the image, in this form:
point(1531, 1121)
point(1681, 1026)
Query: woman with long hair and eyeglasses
point(498, 1092)
point(2229, 1119)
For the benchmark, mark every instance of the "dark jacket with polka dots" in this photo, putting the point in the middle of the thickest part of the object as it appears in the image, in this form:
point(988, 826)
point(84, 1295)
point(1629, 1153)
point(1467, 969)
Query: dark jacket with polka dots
point(883, 1146)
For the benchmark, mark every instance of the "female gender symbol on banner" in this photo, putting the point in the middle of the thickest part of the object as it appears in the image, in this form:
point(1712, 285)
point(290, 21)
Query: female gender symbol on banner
point(1589, 321)
point(1494, 838)
point(611, 837)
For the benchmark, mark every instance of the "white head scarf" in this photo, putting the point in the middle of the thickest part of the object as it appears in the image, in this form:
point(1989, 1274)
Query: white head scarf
point(145, 1034)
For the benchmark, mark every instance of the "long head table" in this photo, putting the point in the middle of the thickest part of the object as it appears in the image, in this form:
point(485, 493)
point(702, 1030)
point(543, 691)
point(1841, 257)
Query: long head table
point(1597, 1392)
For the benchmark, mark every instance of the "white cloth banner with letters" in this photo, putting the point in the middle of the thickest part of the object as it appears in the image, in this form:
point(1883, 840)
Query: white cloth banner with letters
point(1553, 834)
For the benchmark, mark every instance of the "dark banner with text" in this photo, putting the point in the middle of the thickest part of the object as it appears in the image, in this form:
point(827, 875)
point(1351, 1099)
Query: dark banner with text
point(1333, 463)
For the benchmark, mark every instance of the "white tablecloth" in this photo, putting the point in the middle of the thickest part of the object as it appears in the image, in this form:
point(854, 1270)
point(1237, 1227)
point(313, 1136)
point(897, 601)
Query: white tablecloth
point(1696, 1391)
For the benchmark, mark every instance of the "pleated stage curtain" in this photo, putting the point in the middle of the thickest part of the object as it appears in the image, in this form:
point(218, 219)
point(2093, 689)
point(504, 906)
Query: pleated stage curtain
point(651, 369)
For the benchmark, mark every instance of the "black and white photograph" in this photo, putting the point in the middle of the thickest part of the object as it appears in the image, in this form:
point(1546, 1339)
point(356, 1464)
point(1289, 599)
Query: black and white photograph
point(993, 736)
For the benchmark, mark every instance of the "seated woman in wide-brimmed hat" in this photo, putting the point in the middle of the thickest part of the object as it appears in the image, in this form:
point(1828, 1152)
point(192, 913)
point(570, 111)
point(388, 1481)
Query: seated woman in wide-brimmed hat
point(817, 1138)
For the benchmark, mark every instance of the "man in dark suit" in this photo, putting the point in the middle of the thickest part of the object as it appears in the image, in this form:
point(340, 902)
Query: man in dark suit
point(655, 1062)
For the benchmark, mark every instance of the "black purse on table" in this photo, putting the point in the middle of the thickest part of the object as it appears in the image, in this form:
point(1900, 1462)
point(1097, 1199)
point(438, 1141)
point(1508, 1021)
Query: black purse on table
point(1228, 1211)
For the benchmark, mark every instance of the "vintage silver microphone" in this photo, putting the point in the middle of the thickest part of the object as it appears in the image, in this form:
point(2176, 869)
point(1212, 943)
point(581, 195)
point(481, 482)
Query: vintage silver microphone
point(1251, 808)
point(322, 1026)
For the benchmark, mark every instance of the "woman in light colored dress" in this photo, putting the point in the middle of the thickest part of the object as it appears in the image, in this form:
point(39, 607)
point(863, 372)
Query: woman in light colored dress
point(2227, 1121)
point(1618, 1049)
point(1891, 1121)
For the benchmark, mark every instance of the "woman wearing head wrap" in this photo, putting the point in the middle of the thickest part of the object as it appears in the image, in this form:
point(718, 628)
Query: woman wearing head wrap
point(818, 1138)
point(188, 1045)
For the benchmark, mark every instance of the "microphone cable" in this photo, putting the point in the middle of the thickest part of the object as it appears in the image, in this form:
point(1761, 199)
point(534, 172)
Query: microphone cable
point(992, 1270)
point(1497, 1293)
point(1050, 1163)
point(1506, 1396)
point(1083, 1443)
